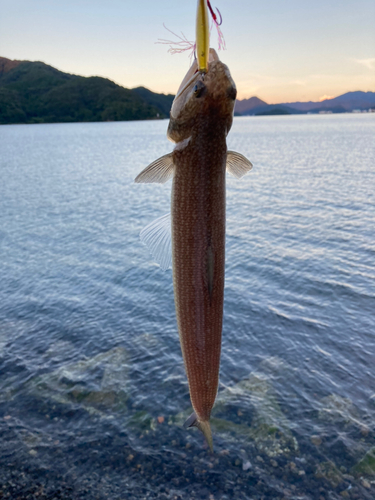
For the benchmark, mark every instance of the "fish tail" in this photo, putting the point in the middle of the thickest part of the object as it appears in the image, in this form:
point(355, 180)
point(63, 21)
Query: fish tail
point(203, 426)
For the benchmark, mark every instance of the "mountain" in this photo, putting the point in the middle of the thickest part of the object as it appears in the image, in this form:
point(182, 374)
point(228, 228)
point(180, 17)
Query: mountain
point(161, 101)
point(273, 109)
point(7, 64)
point(34, 92)
point(246, 105)
point(347, 102)
point(341, 104)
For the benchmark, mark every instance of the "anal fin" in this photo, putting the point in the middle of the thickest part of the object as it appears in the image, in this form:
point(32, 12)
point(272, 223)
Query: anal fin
point(203, 426)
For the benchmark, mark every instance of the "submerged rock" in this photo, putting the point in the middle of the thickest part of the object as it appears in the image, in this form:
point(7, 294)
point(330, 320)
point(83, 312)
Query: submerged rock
point(274, 365)
point(60, 350)
point(141, 421)
point(98, 383)
point(269, 429)
point(329, 471)
point(366, 465)
point(316, 440)
point(337, 409)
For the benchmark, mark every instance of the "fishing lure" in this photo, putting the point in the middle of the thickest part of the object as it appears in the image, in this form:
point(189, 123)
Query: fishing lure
point(221, 41)
point(202, 35)
point(201, 46)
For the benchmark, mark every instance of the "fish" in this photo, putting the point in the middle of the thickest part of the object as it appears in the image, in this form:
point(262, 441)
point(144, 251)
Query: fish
point(192, 237)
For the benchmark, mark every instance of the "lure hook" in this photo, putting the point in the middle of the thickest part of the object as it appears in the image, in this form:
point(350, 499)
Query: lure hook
point(214, 16)
point(221, 19)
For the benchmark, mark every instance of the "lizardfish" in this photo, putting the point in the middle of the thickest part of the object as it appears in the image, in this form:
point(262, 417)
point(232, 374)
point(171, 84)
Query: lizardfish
point(200, 119)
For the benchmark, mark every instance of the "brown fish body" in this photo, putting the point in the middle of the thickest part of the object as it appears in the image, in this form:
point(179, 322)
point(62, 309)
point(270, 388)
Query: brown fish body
point(198, 255)
point(201, 117)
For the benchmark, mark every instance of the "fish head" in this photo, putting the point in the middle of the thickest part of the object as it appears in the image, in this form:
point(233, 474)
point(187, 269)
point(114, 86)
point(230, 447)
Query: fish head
point(203, 98)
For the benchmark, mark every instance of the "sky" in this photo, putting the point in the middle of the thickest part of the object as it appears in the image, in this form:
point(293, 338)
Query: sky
point(279, 51)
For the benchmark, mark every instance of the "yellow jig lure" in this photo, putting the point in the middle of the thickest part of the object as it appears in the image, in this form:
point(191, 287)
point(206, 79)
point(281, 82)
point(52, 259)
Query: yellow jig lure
point(202, 36)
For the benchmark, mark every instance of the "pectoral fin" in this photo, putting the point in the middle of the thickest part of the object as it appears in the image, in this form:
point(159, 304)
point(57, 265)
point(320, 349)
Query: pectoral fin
point(157, 236)
point(159, 170)
point(237, 164)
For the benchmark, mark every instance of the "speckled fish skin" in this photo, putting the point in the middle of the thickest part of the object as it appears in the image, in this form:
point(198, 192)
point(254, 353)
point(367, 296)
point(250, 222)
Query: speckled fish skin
point(198, 233)
point(198, 251)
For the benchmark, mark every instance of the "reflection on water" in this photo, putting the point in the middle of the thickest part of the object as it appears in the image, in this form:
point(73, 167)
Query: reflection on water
point(92, 386)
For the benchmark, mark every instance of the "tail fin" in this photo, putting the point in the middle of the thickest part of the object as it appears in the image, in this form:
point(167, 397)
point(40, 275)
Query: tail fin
point(203, 426)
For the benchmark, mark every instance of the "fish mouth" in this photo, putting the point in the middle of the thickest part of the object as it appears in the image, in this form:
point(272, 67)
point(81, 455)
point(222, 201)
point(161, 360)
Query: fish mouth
point(193, 73)
point(191, 76)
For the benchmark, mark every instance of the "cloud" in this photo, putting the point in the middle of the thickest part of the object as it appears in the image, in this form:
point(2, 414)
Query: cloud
point(369, 63)
point(325, 98)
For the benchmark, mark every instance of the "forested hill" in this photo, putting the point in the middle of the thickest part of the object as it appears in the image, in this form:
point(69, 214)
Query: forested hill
point(34, 92)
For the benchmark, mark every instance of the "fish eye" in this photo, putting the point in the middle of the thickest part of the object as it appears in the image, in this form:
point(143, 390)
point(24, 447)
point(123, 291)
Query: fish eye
point(199, 88)
point(232, 92)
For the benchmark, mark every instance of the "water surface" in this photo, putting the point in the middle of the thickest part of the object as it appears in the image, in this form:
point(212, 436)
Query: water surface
point(92, 385)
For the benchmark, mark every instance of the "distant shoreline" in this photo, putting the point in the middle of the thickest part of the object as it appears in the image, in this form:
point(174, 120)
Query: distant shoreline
point(166, 119)
point(34, 92)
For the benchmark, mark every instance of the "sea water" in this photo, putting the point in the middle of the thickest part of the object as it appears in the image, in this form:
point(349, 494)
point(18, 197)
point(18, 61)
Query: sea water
point(92, 385)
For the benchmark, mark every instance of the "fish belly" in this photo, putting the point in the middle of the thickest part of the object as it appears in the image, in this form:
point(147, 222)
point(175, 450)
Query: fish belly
point(198, 251)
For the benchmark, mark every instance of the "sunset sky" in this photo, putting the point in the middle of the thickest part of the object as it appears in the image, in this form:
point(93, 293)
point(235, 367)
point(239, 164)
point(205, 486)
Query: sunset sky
point(295, 50)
